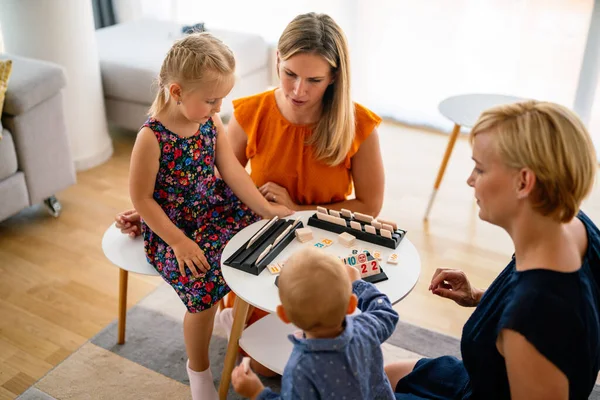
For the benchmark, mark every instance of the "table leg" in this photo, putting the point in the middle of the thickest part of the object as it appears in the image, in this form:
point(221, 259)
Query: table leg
point(123, 275)
point(240, 310)
point(438, 180)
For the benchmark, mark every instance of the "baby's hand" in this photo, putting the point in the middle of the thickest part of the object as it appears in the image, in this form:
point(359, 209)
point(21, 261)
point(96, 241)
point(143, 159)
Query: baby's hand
point(353, 273)
point(245, 382)
point(188, 253)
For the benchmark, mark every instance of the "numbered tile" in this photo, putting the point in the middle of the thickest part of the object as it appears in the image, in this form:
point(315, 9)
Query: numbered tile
point(377, 255)
point(363, 217)
point(387, 227)
point(370, 229)
point(356, 225)
point(393, 258)
point(355, 250)
point(346, 213)
point(274, 269)
point(351, 260)
point(347, 239)
point(319, 245)
point(366, 251)
point(371, 267)
point(391, 223)
point(326, 242)
point(385, 233)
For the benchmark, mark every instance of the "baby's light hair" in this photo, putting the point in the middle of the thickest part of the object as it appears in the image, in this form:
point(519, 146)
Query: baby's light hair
point(198, 58)
point(314, 289)
point(550, 140)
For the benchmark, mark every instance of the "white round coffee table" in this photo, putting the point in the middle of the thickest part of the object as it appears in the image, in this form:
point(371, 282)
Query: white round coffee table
point(266, 340)
point(464, 110)
point(128, 254)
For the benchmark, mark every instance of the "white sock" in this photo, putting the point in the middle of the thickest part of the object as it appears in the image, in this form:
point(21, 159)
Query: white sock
point(226, 320)
point(201, 384)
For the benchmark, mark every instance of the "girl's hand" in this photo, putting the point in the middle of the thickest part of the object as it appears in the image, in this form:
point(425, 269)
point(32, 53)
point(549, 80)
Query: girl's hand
point(129, 223)
point(277, 210)
point(245, 383)
point(277, 194)
point(188, 254)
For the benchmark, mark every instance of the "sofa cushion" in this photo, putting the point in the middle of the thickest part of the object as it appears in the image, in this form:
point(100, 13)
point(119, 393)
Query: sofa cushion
point(8, 156)
point(131, 55)
point(31, 82)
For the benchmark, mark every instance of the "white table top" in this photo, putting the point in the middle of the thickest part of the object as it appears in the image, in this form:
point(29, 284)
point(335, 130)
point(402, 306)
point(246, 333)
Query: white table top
point(260, 291)
point(125, 252)
point(465, 109)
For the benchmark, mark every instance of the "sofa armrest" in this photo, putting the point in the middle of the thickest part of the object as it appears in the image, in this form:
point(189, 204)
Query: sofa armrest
point(30, 83)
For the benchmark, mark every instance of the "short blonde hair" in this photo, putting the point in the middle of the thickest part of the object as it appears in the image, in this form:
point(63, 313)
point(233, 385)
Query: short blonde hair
point(195, 59)
point(320, 34)
point(314, 289)
point(550, 140)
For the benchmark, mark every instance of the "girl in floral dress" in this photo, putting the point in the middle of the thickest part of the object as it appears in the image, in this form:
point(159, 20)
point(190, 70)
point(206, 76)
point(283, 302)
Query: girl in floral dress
point(188, 213)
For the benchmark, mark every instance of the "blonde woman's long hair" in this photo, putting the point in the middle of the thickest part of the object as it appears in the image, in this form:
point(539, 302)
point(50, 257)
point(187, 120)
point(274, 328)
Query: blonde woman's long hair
point(196, 59)
point(319, 34)
point(550, 140)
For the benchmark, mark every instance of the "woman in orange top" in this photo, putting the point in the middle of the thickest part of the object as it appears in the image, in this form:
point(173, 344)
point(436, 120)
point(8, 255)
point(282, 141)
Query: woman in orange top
point(307, 142)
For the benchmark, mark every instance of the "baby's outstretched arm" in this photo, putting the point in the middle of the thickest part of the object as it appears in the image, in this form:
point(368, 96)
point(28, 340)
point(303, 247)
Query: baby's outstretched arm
point(378, 316)
point(142, 178)
point(294, 385)
point(239, 181)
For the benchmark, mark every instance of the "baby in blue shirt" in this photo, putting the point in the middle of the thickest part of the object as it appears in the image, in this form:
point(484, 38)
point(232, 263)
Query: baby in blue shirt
point(337, 356)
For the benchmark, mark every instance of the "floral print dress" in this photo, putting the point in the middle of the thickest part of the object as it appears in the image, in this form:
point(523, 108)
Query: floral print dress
point(198, 203)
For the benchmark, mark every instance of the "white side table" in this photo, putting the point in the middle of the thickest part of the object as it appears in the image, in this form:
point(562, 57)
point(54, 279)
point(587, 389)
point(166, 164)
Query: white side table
point(463, 110)
point(128, 254)
point(273, 350)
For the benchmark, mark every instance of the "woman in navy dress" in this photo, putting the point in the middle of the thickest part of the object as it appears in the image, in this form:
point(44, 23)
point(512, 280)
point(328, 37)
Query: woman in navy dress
point(535, 332)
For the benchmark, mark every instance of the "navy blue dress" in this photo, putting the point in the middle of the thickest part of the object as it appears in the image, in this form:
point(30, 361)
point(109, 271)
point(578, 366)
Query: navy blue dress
point(557, 312)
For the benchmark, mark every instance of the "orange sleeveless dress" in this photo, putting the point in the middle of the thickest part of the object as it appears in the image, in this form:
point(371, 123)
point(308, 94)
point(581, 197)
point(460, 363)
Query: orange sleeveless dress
point(278, 153)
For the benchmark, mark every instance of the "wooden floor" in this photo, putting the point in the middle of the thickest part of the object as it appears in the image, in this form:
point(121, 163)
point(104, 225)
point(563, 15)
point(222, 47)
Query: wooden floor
point(57, 290)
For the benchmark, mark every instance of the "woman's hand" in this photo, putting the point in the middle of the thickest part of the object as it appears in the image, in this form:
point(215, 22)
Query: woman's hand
point(188, 254)
point(454, 285)
point(277, 194)
point(129, 223)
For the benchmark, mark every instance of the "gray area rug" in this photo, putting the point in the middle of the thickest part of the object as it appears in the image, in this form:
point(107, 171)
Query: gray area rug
point(154, 340)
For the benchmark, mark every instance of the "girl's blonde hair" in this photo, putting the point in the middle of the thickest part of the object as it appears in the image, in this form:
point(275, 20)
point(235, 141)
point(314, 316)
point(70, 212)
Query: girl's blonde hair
point(195, 59)
point(319, 34)
point(550, 140)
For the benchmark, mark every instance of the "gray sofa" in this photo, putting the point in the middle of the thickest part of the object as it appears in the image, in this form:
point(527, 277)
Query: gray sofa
point(35, 159)
point(131, 55)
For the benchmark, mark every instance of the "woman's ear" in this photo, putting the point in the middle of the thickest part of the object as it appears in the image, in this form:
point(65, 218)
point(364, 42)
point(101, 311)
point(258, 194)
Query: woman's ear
point(282, 315)
point(352, 304)
point(333, 78)
point(525, 183)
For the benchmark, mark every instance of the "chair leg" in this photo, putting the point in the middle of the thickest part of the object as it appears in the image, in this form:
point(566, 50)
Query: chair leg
point(239, 320)
point(123, 275)
point(440, 175)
